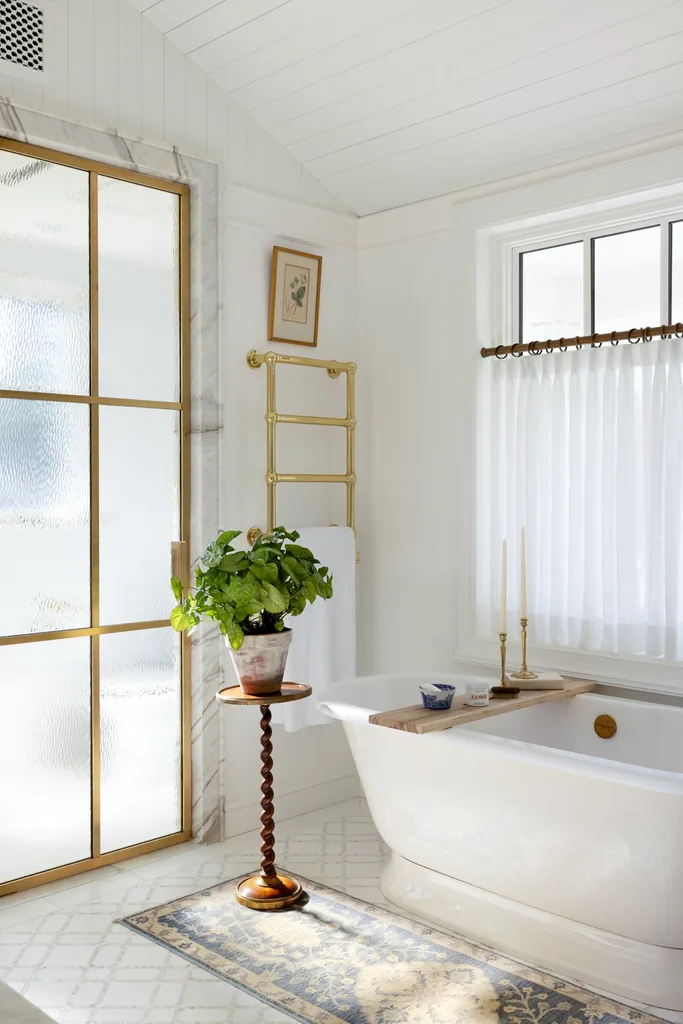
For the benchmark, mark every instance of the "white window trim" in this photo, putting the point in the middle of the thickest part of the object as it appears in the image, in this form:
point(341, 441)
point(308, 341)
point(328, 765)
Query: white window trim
point(498, 251)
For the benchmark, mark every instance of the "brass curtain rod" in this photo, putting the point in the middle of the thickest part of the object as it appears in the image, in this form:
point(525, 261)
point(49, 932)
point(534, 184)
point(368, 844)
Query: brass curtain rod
point(634, 336)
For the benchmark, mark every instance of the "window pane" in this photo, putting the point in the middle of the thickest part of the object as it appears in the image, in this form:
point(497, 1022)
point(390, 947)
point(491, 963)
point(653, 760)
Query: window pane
point(677, 272)
point(140, 708)
point(552, 292)
point(627, 280)
point(138, 291)
point(44, 516)
point(139, 512)
point(44, 276)
point(44, 755)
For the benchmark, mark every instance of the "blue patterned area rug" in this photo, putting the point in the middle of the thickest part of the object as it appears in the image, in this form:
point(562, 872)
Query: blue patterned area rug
point(334, 959)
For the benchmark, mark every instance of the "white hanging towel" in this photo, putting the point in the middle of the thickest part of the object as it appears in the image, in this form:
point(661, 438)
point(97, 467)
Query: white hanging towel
point(323, 647)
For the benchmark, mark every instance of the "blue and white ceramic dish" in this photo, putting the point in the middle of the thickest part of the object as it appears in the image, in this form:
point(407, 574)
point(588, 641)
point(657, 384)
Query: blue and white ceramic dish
point(437, 701)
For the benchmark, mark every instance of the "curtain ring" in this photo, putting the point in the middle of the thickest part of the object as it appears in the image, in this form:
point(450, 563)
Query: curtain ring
point(630, 337)
point(516, 355)
point(647, 338)
point(548, 346)
point(577, 339)
point(533, 351)
point(594, 343)
point(504, 356)
point(612, 340)
point(562, 348)
point(676, 326)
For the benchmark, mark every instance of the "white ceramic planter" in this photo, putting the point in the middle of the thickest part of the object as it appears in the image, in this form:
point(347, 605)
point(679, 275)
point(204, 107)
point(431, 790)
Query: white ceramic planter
point(260, 662)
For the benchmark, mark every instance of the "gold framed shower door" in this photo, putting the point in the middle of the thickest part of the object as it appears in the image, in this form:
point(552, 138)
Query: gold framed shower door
point(96, 169)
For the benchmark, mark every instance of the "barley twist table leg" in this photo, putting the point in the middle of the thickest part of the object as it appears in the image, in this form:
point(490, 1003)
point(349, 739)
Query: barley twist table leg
point(268, 890)
point(267, 823)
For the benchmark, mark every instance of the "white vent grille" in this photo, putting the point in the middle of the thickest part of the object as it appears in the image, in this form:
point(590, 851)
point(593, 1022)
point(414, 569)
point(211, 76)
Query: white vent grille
point(22, 34)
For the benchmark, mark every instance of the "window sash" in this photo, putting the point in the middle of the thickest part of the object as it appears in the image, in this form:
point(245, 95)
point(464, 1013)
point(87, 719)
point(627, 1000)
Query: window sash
point(514, 318)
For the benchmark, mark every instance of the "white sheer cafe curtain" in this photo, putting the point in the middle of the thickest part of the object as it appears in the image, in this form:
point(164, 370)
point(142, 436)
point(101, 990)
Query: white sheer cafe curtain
point(585, 449)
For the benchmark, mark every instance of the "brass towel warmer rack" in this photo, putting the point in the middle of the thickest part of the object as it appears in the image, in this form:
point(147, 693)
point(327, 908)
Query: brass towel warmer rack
point(334, 368)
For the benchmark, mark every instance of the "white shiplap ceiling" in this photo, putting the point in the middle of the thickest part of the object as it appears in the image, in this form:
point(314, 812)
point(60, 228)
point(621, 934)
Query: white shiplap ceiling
point(392, 101)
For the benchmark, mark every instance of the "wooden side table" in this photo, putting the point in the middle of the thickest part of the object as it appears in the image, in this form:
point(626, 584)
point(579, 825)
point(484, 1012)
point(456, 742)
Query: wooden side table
point(267, 890)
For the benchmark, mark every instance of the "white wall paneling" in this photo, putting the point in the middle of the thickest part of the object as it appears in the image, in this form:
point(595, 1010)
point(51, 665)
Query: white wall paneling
point(118, 71)
point(423, 356)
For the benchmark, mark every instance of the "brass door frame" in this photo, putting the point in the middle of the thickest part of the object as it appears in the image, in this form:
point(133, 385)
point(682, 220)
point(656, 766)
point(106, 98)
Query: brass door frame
point(95, 170)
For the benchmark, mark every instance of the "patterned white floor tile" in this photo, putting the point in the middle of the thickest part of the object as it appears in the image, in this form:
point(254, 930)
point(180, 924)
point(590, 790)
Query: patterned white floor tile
point(66, 955)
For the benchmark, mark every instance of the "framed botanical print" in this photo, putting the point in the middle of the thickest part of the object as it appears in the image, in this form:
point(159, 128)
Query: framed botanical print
point(294, 296)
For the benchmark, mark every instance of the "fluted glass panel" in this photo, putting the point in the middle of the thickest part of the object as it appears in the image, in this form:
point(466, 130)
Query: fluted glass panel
point(552, 292)
point(139, 512)
point(140, 709)
point(44, 755)
point(138, 291)
point(44, 516)
point(44, 276)
point(626, 280)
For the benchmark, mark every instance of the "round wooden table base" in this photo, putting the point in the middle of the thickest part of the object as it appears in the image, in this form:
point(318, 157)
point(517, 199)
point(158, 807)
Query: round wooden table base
point(259, 893)
point(267, 890)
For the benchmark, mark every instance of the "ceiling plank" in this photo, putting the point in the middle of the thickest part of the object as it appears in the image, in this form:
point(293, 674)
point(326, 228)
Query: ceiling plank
point(402, 191)
point(328, 23)
point(167, 14)
point(253, 35)
point(220, 20)
point(559, 141)
point(648, 64)
point(432, 62)
point(276, 74)
point(474, 84)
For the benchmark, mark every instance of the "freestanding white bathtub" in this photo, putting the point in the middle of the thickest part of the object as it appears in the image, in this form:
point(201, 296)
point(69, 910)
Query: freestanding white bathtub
point(529, 833)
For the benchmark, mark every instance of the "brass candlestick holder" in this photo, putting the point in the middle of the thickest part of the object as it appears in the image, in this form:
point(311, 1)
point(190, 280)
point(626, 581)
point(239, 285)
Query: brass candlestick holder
point(524, 672)
point(504, 690)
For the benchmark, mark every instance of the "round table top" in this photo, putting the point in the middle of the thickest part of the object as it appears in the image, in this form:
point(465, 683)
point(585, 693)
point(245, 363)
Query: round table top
point(288, 691)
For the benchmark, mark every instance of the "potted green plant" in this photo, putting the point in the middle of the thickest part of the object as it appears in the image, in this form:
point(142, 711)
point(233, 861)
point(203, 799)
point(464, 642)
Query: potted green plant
point(249, 593)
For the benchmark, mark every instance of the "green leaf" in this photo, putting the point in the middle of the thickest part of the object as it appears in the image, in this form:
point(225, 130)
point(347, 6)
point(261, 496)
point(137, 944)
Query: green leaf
point(294, 568)
point(298, 604)
point(242, 591)
point(300, 552)
point(262, 554)
point(264, 573)
point(234, 562)
point(273, 600)
point(309, 590)
point(235, 635)
point(245, 611)
point(180, 619)
point(226, 537)
point(279, 626)
point(212, 555)
point(224, 614)
point(282, 534)
point(177, 588)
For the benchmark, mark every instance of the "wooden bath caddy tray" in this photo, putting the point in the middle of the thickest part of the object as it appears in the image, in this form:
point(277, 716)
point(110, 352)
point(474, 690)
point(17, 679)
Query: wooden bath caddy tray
point(420, 720)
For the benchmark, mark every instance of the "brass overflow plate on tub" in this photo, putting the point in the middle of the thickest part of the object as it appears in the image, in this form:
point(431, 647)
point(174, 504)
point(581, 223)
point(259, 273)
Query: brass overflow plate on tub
point(605, 726)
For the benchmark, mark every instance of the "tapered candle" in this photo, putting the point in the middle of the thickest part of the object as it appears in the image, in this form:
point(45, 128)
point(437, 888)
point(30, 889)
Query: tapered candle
point(503, 589)
point(523, 575)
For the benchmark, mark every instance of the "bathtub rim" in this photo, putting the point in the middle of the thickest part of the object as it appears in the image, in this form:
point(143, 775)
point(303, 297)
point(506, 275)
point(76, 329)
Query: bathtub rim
point(624, 772)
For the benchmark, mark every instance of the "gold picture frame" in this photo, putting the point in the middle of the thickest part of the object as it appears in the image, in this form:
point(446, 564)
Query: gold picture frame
point(295, 281)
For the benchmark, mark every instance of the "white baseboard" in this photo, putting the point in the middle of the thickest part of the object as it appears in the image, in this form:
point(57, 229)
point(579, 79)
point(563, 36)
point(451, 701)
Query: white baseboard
point(288, 805)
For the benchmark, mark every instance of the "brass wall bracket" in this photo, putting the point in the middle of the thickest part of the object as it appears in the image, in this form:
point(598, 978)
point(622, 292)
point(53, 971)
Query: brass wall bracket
point(334, 369)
